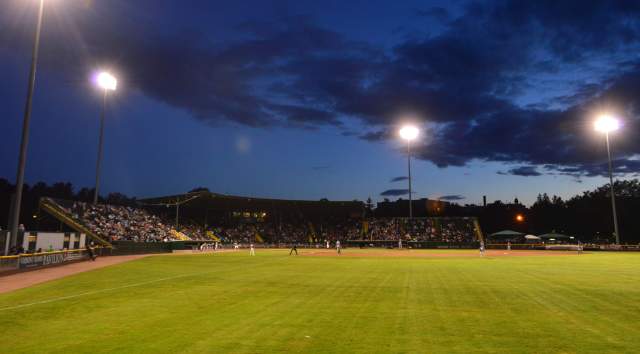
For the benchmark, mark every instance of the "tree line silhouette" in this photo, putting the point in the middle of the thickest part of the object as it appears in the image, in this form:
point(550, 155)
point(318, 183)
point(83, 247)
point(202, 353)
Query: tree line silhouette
point(586, 216)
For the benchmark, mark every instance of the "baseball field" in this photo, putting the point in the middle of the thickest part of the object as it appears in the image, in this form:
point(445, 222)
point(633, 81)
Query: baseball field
point(374, 301)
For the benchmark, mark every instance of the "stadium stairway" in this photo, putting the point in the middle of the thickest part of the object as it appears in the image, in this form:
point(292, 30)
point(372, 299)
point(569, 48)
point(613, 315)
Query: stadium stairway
point(213, 236)
point(179, 235)
point(256, 235)
point(313, 237)
point(478, 230)
point(55, 210)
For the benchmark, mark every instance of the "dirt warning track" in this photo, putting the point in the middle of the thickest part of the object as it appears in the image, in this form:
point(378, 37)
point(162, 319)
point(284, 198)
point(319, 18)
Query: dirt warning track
point(26, 279)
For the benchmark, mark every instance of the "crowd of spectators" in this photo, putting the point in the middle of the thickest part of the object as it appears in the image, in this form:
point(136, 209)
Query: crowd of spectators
point(266, 231)
point(420, 229)
point(115, 223)
point(120, 223)
point(339, 229)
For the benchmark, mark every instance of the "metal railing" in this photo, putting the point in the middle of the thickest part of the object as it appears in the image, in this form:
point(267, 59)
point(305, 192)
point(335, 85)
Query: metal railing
point(42, 259)
point(56, 211)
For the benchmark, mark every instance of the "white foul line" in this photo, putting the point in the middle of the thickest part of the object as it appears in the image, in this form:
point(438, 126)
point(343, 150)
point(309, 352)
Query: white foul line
point(95, 292)
point(102, 291)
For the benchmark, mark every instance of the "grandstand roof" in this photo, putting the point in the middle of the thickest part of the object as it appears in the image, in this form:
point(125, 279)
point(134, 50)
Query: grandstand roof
point(216, 201)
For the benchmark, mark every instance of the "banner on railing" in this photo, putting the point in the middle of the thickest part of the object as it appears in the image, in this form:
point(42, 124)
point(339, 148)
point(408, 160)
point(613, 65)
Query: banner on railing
point(46, 259)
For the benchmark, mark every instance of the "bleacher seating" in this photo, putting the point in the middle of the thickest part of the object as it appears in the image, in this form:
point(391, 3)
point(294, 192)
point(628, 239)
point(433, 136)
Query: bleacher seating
point(436, 229)
point(119, 223)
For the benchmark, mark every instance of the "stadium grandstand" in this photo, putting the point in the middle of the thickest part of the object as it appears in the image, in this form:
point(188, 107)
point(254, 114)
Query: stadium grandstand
point(210, 217)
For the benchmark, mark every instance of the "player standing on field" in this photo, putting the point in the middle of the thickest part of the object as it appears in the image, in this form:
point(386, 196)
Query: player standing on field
point(294, 249)
point(338, 248)
point(92, 255)
point(252, 250)
point(481, 248)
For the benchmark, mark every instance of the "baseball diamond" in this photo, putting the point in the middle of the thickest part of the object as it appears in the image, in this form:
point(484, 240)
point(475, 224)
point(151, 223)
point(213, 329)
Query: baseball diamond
point(366, 301)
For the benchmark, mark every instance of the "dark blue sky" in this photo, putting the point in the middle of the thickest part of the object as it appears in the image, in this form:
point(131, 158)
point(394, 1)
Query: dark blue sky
point(303, 99)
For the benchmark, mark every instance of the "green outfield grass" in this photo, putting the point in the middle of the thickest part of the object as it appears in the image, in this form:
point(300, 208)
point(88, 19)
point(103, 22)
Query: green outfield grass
point(276, 303)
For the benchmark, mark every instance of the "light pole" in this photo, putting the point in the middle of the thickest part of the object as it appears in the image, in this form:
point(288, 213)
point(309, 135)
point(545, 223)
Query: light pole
point(409, 133)
point(22, 159)
point(107, 82)
point(178, 203)
point(606, 124)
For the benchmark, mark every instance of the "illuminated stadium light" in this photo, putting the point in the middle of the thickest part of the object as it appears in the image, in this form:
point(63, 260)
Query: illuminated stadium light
point(606, 124)
point(409, 132)
point(107, 81)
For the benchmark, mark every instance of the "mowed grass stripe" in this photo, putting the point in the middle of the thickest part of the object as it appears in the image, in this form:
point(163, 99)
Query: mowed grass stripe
point(275, 303)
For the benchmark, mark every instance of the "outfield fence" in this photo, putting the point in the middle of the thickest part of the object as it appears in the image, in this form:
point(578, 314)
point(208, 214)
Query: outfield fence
point(516, 246)
point(44, 259)
point(564, 246)
point(4, 235)
point(132, 247)
point(412, 244)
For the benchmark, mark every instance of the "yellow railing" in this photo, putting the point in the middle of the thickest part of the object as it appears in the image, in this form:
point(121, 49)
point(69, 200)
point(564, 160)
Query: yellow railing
point(213, 236)
point(45, 252)
point(312, 233)
point(179, 235)
point(57, 212)
point(478, 230)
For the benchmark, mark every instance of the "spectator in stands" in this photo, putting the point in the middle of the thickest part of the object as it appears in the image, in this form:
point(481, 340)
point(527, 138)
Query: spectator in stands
point(115, 223)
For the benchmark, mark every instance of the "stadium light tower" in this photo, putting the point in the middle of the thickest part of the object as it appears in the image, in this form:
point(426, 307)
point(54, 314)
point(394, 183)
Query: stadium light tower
point(22, 159)
point(607, 124)
point(106, 82)
point(409, 133)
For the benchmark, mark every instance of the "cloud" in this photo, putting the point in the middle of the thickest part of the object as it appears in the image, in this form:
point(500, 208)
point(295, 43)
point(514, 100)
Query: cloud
point(400, 178)
point(452, 197)
point(620, 166)
point(505, 81)
point(394, 192)
point(525, 171)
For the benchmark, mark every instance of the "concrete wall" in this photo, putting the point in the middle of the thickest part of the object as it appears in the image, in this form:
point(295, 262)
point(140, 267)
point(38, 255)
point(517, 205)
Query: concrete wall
point(55, 239)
